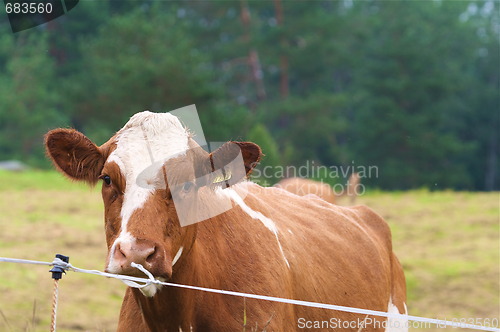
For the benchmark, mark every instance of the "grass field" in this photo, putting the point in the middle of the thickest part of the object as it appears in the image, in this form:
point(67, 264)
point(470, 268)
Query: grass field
point(448, 243)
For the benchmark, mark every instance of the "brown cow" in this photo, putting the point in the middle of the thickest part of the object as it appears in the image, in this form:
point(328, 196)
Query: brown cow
point(270, 242)
point(302, 187)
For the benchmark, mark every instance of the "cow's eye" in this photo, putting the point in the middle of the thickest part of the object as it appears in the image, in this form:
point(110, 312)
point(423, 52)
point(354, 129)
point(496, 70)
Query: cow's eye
point(106, 179)
point(187, 186)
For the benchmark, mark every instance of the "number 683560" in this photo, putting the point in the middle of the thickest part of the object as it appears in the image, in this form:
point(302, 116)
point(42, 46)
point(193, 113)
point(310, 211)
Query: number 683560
point(28, 8)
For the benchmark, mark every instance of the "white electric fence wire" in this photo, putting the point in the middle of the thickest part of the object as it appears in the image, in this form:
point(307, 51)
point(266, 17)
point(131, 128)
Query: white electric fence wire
point(143, 282)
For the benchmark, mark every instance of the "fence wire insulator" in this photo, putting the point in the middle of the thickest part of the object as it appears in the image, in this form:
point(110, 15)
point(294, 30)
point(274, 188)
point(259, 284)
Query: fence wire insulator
point(57, 273)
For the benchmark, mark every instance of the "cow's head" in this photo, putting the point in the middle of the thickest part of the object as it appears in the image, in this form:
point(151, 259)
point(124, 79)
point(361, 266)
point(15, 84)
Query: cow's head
point(144, 167)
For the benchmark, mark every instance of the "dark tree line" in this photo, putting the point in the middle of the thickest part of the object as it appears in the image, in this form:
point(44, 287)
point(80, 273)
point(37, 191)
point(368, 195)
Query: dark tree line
point(409, 86)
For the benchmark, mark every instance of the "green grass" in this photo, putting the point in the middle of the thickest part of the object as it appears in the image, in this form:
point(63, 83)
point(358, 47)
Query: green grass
point(37, 179)
point(41, 214)
point(448, 243)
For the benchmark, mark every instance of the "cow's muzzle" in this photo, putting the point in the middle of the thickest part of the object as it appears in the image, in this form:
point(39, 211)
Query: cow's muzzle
point(149, 254)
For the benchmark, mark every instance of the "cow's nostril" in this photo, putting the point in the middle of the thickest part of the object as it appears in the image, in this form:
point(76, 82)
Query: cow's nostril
point(151, 256)
point(141, 252)
point(120, 254)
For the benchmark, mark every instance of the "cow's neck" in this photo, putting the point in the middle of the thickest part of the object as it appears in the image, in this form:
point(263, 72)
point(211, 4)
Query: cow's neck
point(197, 259)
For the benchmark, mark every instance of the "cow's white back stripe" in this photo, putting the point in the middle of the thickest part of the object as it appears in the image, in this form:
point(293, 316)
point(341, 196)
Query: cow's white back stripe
point(143, 282)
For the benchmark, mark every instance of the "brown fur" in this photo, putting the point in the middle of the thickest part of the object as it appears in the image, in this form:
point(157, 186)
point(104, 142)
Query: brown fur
point(337, 255)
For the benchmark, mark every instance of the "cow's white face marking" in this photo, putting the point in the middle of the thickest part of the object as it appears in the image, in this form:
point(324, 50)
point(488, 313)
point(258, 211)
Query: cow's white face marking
point(270, 225)
point(396, 324)
point(145, 139)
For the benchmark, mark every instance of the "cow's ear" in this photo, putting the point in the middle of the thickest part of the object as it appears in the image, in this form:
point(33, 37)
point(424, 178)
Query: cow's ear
point(227, 153)
point(251, 153)
point(74, 155)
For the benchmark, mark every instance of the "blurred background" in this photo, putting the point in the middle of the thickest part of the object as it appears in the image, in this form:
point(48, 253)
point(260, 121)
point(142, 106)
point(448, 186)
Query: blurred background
point(411, 87)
